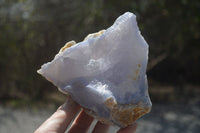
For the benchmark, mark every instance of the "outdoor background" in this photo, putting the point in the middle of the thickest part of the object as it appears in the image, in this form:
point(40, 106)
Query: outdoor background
point(33, 31)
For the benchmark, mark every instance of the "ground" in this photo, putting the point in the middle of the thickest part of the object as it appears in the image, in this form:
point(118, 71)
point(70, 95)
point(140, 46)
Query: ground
point(164, 118)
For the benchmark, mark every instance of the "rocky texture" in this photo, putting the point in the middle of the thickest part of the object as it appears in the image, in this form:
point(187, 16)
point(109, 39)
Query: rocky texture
point(105, 73)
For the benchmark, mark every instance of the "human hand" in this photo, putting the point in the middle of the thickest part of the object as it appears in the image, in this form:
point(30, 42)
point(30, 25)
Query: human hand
point(61, 119)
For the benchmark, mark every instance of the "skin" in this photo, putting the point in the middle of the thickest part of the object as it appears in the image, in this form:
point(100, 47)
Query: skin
point(60, 120)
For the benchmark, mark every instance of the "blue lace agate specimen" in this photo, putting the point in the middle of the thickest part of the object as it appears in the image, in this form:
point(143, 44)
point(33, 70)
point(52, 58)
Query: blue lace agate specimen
point(105, 73)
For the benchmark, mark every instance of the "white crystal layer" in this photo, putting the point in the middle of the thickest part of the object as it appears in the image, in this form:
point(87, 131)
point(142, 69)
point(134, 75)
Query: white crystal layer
point(112, 65)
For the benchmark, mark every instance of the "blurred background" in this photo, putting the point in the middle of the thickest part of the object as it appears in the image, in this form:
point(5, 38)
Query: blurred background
point(33, 31)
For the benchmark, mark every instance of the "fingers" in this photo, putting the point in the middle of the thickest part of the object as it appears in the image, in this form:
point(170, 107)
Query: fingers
point(100, 128)
point(81, 124)
point(61, 119)
point(129, 129)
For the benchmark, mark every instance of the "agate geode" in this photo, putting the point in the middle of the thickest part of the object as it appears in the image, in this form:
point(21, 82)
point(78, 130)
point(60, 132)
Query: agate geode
point(105, 73)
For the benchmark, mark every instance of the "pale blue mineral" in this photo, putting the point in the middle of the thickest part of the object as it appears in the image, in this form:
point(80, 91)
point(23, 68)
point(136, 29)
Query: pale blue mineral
point(105, 73)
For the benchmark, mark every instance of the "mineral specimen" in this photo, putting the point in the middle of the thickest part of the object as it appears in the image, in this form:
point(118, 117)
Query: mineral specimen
point(105, 73)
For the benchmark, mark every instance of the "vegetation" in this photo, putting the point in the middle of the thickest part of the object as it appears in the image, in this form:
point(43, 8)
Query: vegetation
point(32, 32)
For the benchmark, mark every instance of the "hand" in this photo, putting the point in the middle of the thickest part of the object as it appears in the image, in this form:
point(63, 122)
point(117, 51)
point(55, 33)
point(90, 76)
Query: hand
point(61, 119)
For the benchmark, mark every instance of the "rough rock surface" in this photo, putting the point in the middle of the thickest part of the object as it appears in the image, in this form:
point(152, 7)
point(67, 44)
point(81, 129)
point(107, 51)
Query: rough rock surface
point(105, 73)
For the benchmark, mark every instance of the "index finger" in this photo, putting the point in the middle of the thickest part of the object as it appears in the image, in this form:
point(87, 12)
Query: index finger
point(61, 119)
point(129, 129)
